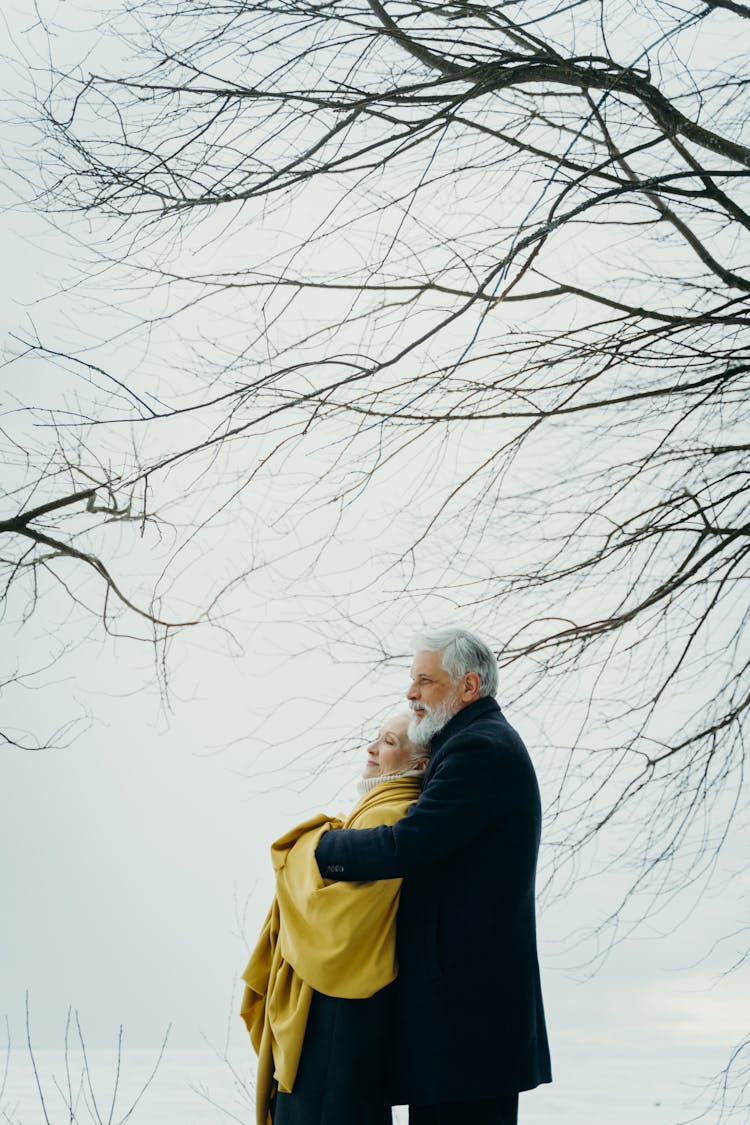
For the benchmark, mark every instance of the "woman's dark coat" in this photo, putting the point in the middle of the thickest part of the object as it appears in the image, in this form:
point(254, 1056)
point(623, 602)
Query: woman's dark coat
point(340, 1075)
point(468, 1018)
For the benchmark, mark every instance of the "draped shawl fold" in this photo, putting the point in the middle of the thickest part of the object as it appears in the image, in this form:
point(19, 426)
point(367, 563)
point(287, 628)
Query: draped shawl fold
point(334, 938)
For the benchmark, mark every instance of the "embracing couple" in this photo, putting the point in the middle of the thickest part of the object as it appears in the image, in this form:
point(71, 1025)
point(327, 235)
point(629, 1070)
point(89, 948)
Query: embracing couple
point(398, 962)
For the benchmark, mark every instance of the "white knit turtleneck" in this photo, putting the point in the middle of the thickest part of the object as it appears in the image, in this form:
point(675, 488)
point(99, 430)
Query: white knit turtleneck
point(367, 784)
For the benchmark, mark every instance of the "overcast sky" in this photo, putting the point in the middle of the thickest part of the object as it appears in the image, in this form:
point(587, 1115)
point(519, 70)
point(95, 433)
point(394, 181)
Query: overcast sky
point(135, 867)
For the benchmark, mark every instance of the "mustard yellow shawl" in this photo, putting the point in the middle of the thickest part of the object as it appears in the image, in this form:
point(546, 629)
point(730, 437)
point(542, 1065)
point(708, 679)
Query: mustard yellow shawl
point(335, 938)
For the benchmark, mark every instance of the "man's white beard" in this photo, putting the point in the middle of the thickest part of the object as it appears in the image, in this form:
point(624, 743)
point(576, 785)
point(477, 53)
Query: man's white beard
point(421, 731)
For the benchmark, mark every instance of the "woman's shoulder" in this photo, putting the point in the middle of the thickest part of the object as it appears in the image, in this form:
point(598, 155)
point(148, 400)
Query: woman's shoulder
point(385, 803)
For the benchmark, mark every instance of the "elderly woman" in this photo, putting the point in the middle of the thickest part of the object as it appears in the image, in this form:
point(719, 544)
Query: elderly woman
point(316, 996)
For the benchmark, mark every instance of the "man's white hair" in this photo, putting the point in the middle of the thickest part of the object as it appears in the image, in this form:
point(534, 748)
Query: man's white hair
point(462, 652)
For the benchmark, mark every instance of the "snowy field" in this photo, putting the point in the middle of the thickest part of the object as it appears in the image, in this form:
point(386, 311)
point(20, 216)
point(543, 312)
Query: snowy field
point(194, 1087)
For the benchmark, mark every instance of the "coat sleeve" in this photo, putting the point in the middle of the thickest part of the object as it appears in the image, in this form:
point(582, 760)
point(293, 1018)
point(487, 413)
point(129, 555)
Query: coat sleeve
point(476, 783)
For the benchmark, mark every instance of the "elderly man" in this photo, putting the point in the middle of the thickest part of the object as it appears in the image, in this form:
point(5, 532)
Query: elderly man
point(468, 1024)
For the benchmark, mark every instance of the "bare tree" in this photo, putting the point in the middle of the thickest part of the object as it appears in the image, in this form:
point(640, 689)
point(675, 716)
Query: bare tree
point(731, 1087)
point(486, 263)
point(73, 1097)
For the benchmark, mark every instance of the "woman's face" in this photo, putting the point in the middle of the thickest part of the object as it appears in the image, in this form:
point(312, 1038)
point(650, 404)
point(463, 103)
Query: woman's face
point(391, 751)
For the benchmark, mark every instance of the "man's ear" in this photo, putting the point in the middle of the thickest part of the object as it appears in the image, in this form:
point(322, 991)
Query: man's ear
point(471, 687)
point(421, 764)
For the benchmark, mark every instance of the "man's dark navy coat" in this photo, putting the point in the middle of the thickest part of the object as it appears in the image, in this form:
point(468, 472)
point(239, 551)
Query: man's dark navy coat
point(469, 1021)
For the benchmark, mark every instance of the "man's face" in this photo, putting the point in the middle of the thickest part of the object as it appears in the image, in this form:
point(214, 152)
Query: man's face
point(431, 686)
point(434, 697)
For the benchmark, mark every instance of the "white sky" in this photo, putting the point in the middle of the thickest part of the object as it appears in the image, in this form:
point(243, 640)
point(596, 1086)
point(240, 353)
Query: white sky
point(134, 861)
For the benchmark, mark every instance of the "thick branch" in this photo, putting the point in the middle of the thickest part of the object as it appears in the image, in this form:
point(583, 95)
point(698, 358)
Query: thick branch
point(730, 6)
point(20, 522)
point(551, 70)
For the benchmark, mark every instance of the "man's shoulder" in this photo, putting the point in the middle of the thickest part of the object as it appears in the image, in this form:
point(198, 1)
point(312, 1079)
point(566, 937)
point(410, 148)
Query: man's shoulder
point(487, 745)
point(487, 728)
